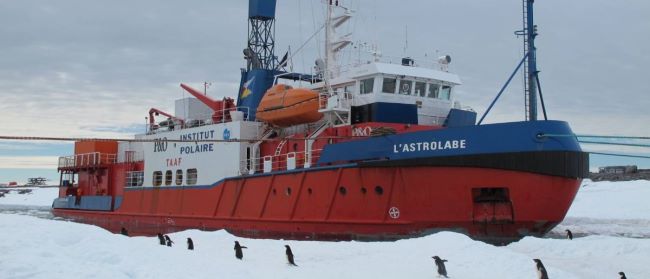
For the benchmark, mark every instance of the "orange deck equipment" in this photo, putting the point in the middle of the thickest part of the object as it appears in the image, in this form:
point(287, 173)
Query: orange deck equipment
point(283, 106)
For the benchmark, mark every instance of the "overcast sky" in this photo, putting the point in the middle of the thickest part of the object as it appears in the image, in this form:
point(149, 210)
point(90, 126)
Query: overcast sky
point(94, 68)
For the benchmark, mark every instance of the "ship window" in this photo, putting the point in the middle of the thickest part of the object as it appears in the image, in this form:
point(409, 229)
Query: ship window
point(389, 85)
point(309, 190)
point(179, 177)
point(168, 178)
point(363, 190)
point(288, 191)
point(420, 89)
point(405, 87)
point(192, 176)
point(433, 90)
point(445, 93)
point(157, 178)
point(134, 179)
point(342, 190)
point(366, 86)
point(139, 178)
point(379, 190)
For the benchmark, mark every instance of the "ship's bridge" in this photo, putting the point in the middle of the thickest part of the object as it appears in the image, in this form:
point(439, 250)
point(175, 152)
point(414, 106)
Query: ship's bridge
point(401, 93)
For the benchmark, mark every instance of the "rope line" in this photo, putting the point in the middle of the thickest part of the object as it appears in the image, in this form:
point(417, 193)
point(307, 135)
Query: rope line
point(592, 136)
point(159, 140)
point(620, 155)
point(614, 143)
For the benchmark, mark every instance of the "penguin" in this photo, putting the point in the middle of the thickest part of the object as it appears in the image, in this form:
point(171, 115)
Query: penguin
point(239, 254)
point(123, 231)
point(190, 244)
point(569, 235)
point(161, 239)
point(290, 256)
point(168, 240)
point(541, 270)
point(440, 263)
point(622, 275)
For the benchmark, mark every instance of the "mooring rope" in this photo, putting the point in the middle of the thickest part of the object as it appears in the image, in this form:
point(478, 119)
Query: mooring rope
point(592, 136)
point(19, 138)
point(605, 143)
point(620, 155)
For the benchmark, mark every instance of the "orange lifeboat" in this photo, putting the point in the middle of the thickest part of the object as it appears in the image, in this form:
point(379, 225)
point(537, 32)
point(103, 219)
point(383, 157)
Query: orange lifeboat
point(283, 106)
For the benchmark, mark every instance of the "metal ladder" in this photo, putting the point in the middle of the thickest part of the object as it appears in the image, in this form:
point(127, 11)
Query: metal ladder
point(526, 70)
point(309, 142)
point(278, 150)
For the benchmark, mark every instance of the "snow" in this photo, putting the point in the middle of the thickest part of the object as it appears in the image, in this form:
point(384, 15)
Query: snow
point(38, 196)
point(612, 200)
point(44, 248)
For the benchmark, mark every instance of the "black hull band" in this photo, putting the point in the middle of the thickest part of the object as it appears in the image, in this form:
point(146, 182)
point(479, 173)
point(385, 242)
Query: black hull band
point(556, 163)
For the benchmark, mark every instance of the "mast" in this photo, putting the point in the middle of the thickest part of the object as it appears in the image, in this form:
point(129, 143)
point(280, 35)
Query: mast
point(335, 106)
point(337, 15)
point(530, 69)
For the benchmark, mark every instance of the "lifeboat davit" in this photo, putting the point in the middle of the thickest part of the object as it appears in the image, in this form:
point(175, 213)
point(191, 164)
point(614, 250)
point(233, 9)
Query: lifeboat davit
point(283, 106)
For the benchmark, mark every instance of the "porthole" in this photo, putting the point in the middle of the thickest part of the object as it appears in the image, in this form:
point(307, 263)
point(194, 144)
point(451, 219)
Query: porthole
point(342, 190)
point(168, 178)
point(274, 191)
point(364, 190)
point(309, 191)
point(379, 190)
point(288, 191)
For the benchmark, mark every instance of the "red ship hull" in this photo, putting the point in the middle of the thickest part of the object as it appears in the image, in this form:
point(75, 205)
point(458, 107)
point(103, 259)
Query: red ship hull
point(346, 203)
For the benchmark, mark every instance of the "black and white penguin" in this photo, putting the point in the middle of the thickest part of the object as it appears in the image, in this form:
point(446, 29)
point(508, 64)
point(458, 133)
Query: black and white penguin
point(190, 244)
point(123, 231)
point(290, 256)
point(440, 263)
point(541, 270)
point(569, 235)
point(622, 275)
point(239, 254)
point(161, 239)
point(168, 240)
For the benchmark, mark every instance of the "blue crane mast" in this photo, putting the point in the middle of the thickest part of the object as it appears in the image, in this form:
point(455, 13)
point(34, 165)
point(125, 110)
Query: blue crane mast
point(262, 66)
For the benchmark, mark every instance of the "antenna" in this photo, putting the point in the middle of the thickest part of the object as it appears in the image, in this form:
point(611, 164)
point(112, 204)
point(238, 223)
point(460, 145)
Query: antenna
point(406, 40)
point(205, 87)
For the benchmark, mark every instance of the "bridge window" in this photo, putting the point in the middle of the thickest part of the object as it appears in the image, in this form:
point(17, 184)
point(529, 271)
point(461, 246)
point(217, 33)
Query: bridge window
point(192, 176)
point(434, 89)
point(405, 87)
point(366, 86)
point(168, 178)
point(420, 89)
point(179, 177)
point(445, 93)
point(389, 85)
point(157, 178)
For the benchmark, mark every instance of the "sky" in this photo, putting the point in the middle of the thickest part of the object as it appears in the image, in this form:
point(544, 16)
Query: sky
point(74, 68)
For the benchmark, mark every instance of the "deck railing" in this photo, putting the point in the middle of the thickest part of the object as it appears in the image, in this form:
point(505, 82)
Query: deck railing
point(87, 160)
point(226, 115)
point(271, 163)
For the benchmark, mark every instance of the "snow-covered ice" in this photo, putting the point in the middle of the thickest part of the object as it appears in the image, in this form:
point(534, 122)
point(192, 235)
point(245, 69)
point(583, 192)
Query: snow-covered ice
point(44, 248)
point(38, 196)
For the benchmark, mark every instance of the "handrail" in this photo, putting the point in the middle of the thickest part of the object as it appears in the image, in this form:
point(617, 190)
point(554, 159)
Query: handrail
point(207, 120)
point(279, 162)
point(87, 160)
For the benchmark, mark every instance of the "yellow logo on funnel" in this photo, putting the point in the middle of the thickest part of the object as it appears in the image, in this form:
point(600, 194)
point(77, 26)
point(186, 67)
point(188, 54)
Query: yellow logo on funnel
point(247, 88)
